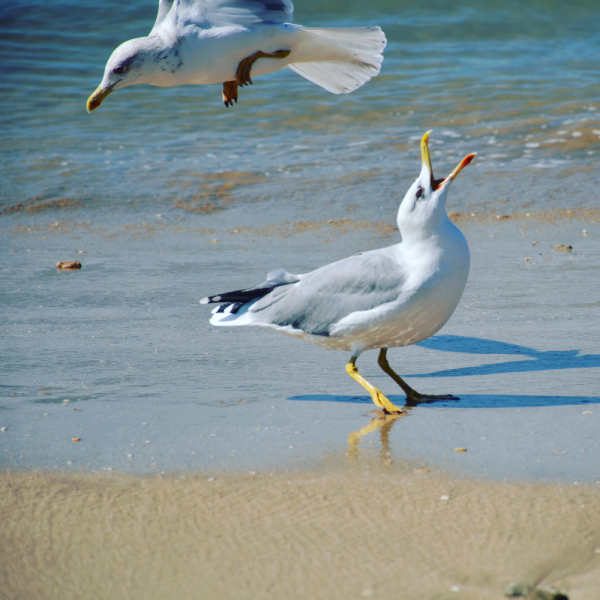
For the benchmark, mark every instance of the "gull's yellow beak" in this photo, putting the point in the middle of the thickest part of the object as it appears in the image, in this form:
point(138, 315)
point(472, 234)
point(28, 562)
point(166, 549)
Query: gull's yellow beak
point(435, 183)
point(95, 100)
point(425, 151)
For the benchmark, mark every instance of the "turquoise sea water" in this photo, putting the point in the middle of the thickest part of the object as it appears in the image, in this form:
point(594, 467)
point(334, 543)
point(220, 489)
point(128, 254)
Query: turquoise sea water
point(517, 81)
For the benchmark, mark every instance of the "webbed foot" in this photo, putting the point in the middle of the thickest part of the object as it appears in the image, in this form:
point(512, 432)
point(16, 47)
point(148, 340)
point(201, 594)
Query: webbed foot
point(413, 398)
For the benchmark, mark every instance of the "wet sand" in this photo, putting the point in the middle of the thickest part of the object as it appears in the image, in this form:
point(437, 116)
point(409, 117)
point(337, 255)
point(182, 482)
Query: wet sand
point(344, 531)
point(149, 388)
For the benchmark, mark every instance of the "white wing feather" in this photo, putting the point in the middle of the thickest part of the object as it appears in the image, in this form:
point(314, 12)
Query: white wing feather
point(209, 13)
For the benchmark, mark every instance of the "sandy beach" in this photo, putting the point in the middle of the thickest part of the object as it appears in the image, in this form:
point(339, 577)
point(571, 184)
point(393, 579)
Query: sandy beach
point(345, 531)
point(148, 460)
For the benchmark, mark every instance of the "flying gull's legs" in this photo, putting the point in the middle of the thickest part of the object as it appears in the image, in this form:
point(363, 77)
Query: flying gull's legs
point(230, 93)
point(412, 396)
point(376, 395)
point(230, 88)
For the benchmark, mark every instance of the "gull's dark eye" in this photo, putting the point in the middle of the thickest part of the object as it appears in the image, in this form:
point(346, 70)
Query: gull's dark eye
point(420, 192)
point(119, 70)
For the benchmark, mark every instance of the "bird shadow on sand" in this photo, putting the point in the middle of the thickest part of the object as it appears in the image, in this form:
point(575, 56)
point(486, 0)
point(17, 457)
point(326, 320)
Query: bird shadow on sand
point(533, 360)
point(465, 400)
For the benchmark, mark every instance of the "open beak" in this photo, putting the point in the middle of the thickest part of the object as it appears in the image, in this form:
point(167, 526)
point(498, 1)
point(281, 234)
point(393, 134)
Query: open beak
point(436, 183)
point(95, 100)
point(461, 165)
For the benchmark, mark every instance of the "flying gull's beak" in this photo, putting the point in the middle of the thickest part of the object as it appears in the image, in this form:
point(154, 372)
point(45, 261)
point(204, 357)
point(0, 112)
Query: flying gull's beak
point(436, 183)
point(95, 100)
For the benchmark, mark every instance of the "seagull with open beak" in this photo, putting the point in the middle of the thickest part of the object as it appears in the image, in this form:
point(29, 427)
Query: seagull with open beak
point(384, 298)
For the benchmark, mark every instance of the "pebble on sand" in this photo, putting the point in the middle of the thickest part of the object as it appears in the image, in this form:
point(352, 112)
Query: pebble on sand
point(547, 592)
point(69, 265)
point(524, 590)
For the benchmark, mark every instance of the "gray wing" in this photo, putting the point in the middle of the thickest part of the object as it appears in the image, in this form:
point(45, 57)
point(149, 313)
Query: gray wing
point(325, 296)
point(207, 13)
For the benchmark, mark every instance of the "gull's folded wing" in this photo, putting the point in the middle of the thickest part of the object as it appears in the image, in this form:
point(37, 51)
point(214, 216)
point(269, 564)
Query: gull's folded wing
point(325, 296)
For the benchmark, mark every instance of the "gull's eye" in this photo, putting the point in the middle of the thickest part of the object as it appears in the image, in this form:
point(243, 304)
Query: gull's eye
point(420, 193)
point(119, 70)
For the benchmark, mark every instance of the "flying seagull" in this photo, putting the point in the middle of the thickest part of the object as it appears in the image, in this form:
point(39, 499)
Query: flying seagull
point(394, 296)
point(230, 41)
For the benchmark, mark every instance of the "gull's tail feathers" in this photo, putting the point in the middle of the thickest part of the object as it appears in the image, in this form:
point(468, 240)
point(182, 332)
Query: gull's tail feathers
point(233, 306)
point(342, 59)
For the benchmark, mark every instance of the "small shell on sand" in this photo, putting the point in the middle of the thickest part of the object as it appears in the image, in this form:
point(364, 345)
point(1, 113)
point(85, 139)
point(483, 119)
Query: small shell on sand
point(69, 265)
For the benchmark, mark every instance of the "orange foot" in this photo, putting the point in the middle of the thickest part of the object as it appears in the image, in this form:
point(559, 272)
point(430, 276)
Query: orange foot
point(245, 66)
point(230, 93)
point(242, 76)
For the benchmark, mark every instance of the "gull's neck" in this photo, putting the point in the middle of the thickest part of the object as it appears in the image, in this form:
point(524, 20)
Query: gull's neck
point(162, 60)
point(437, 229)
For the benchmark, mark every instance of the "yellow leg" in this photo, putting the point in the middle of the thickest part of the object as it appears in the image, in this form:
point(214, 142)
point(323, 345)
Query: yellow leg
point(376, 395)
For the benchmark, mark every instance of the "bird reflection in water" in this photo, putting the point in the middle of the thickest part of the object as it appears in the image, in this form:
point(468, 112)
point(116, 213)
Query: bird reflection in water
point(383, 423)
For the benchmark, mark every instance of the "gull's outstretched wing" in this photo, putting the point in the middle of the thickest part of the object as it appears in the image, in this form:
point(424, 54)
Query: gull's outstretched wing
point(208, 13)
point(164, 7)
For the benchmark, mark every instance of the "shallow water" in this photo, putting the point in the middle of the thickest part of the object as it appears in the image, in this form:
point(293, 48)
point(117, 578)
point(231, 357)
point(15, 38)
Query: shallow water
point(515, 81)
point(168, 197)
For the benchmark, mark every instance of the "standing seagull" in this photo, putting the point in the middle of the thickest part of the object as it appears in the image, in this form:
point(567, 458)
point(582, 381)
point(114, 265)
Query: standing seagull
point(219, 41)
point(394, 296)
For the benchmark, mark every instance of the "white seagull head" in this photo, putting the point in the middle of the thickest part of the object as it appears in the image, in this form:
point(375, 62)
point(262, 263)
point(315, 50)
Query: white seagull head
point(136, 61)
point(424, 206)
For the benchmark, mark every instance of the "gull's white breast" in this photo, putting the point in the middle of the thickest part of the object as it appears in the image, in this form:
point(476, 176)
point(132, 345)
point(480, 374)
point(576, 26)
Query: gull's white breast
point(437, 270)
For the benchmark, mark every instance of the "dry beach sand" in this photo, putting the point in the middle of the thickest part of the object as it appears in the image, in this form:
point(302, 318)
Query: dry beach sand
point(345, 531)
